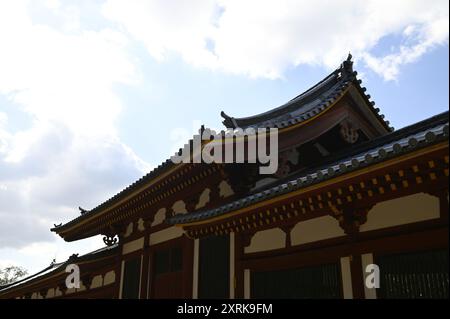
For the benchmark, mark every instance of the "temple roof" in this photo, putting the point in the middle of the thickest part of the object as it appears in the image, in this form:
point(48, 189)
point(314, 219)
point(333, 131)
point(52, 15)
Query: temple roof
point(303, 107)
point(59, 267)
point(408, 139)
point(165, 166)
point(308, 104)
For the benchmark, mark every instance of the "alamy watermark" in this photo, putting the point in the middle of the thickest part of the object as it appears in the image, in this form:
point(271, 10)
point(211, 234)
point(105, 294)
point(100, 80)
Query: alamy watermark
point(73, 279)
point(233, 146)
point(373, 276)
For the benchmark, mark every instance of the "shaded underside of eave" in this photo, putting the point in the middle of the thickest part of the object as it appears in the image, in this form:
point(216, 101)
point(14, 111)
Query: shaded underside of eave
point(85, 231)
point(437, 133)
point(77, 235)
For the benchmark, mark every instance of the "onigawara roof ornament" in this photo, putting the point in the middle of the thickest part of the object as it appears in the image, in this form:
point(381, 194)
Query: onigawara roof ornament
point(347, 65)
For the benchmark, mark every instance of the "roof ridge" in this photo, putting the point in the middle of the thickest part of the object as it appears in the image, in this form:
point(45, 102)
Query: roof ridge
point(309, 103)
point(127, 190)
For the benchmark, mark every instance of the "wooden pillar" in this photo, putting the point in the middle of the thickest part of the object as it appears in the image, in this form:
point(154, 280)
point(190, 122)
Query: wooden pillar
point(247, 284)
point(120, 272)
point(240, 241)
point(145, 268)
point(346, 277)
point(188, 266)
point(357, 277)
point(232, 265)
point(195, 268)
point(443, 203)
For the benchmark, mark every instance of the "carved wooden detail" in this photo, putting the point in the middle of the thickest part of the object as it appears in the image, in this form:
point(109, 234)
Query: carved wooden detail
point(87, 280)
point(113, 234)
point(349, 132)
point(246, 239)
point(110, 240)
point(287, 229)
point(191, 203)
point(62, 287)
point(43, 292)
point(351, 219)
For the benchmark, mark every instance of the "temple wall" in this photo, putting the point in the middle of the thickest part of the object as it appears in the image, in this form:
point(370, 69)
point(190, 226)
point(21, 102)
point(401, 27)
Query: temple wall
point(133, 246)
point(403, 210)
point(110, 277)
point(165, 235)
point(315, 229)
point(159, 217)
point(97, 281)
point(269, 239)
point(203, 199)
point(225, 189)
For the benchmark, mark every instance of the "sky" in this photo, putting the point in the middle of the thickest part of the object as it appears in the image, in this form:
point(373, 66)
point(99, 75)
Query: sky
point(96, 93)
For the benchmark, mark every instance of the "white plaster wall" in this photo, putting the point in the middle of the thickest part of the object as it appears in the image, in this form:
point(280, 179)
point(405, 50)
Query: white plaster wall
point(269, 239)
point(315, 229)
point(400, 211)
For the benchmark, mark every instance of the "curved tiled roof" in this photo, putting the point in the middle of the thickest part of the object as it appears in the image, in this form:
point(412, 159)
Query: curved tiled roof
point(166, 165)
point(394, 144)
point(57, 267)
point(308, 104)
point(160, 169)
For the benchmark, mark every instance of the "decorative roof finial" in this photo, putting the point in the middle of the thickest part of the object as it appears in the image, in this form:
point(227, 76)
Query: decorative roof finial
point(347, 65)
point(228, 120)
point(82, 210)
point(73, 257)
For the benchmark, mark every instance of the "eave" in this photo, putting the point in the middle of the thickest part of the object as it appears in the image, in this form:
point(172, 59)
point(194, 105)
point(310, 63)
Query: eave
point(311, 103)
point(410, 140)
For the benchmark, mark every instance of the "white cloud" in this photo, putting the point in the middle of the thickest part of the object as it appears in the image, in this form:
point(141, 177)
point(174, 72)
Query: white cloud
point(424, 38)
point(66, 78)
point(38, 255)
point(71, 154)
point(265, 38)
point(173, 25)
